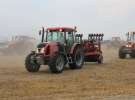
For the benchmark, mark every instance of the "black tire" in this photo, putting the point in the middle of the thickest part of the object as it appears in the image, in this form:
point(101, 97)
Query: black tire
point(78, 59)
point(132, 55)
point(100, 59)
point(121, 54)
point(56, 63)
point(30, 65)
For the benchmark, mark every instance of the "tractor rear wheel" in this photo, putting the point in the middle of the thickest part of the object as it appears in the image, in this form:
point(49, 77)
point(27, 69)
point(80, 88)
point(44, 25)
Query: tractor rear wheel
point(78, 59)
point(56, 63)
point(30, 64)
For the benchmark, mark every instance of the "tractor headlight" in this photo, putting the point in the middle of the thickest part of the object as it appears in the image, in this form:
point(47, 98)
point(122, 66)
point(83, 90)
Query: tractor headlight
point(40, 50)
point(128, 46)
point(96, 46)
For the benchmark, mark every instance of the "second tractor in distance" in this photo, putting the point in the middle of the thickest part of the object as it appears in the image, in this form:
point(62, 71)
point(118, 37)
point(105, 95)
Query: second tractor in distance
point(129, 47)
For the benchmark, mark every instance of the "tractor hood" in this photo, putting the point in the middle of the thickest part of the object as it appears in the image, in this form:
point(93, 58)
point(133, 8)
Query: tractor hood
point(41, 45)
point(48, 48)
point(50, 43)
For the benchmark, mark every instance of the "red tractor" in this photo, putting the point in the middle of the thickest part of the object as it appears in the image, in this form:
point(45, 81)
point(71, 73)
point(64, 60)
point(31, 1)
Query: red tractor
point(129, 47)
point(60, 46)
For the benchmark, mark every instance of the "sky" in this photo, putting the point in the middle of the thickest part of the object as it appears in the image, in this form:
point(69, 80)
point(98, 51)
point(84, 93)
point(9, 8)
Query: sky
point(111, 17)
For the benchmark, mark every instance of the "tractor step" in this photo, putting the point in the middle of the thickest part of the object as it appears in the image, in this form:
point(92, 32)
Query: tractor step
point(69, 59)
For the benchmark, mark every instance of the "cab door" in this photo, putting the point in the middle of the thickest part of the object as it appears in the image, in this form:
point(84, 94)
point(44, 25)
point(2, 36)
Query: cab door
point(69, 40)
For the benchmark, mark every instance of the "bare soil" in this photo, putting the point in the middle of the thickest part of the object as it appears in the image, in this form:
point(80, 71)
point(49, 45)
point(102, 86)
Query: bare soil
point(113, 80)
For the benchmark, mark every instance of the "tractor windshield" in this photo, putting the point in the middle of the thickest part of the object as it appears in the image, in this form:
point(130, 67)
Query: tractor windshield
point(131, 36)
point(55, 36)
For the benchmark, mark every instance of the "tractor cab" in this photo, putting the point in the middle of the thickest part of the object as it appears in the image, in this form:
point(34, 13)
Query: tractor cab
point(130, 39)
point(131, 36)
point(63, 35)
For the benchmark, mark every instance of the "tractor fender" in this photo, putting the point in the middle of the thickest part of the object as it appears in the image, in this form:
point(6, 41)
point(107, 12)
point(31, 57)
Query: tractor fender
point(74, 47)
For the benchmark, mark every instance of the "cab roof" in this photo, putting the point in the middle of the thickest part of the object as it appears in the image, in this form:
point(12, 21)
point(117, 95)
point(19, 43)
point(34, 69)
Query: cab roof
point(60, 28)
point(131, 32)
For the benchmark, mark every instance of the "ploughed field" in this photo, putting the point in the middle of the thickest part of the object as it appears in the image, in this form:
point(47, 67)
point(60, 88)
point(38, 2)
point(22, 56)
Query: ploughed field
point(113, 80)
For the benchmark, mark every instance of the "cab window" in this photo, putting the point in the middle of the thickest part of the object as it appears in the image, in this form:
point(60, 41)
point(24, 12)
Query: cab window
point(69, 38)
point(55, 36)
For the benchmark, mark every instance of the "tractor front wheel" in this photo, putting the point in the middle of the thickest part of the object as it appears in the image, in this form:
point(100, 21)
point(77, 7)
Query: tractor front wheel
point(30, 64)
point(132, 55)
point(56, 63)
point(121, 55)
point(100, 59)
point(78, 59)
